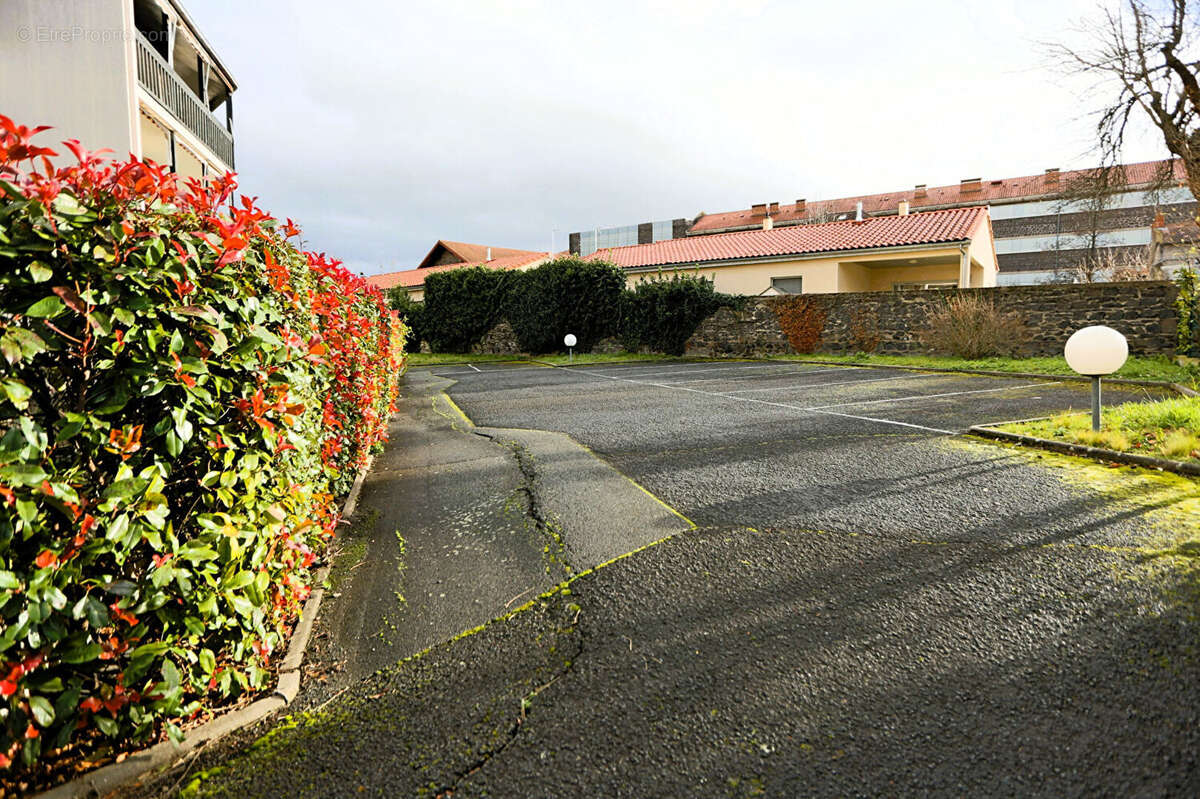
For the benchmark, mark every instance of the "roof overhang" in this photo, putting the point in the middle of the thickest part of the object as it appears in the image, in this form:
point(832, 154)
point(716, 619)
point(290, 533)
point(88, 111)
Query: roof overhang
point(199, 37)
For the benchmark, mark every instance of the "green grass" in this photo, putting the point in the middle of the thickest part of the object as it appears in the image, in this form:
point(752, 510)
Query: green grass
point(603, 357)
point(1168, 428)
point(1136, 368)
point(440, 358)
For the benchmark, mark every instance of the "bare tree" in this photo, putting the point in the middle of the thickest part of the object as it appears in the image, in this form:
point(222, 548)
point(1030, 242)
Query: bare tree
point(1107, 266)
point(1152, 53)
point(1084, 200)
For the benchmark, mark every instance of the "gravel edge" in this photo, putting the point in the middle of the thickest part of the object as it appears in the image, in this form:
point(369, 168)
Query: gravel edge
point(108, 779)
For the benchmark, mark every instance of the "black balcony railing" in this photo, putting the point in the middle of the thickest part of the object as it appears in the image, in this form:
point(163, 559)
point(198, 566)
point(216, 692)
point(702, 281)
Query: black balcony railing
point(156, 76)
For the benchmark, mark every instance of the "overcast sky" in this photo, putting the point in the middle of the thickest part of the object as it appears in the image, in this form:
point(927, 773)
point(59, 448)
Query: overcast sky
point(384, 126)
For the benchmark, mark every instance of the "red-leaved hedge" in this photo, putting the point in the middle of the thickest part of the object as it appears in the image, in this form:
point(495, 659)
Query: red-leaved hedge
point(183, 395)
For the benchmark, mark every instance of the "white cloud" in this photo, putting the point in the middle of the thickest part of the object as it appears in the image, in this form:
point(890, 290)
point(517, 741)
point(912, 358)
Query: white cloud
point(382, 127)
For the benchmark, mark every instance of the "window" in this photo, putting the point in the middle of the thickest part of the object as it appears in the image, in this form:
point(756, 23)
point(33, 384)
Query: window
point(788, 285)
point(926, 285)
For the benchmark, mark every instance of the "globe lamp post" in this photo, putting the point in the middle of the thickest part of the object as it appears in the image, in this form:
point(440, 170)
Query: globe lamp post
point(1094, 352)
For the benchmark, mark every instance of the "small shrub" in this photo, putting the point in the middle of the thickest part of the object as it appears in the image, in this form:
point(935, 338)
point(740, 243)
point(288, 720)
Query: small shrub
point(972, 327)
point(802, 320)
point(1187, 309)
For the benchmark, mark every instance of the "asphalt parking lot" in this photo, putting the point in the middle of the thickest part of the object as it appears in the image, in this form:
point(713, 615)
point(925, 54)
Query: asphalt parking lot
point(756, 444)
point(871, 605)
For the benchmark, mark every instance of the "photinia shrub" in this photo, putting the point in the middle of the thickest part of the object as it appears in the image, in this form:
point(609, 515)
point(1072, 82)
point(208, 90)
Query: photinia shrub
point(183, 396)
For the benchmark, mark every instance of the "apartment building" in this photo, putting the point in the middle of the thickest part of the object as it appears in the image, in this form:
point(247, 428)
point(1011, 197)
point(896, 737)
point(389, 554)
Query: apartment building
point(1040, 226)
point(949, 248)
point(133, 76)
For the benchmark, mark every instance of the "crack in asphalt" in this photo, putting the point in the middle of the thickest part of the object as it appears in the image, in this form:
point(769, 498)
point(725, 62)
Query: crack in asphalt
point(514, 731)
point(544, 523)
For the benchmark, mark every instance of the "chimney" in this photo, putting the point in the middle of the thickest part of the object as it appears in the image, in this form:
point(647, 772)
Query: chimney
point(773, 209)
point(758, 209)
point(1052, 176)
point(903, 208)
point(799, 206)
point(919, 191)
point(858, 217)
point(768, 223)
point(971, 184)
point(489, 253)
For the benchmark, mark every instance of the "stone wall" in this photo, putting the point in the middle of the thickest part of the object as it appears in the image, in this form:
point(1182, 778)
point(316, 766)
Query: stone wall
point(1143, 311)
point(500, 340)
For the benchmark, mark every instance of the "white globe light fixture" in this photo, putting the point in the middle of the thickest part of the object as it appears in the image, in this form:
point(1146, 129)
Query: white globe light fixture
point(1094, 352)
point(570, 341)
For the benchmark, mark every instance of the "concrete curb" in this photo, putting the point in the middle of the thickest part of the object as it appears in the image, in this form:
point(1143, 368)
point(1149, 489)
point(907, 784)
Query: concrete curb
point(1097, 453)
point(107, 780)
point(1120, 381)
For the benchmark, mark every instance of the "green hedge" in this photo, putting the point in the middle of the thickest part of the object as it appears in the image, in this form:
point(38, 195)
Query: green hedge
point(661, 313)
point(182, 396)
point(411, 313)
point(566, 295)
point(462, 305)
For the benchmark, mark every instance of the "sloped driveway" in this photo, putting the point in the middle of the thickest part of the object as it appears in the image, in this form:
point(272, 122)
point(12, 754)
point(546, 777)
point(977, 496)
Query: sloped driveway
point(871, 606)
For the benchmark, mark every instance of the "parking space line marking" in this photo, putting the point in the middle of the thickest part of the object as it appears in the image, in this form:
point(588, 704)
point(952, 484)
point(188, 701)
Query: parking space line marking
point(933, 396)
point(838, 383)
point(693, 371)
point(774, 404)
point(473, 366)
point(773, 374)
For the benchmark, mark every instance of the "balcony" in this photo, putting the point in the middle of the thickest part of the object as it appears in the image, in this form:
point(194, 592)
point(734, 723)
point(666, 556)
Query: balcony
point(158, 78)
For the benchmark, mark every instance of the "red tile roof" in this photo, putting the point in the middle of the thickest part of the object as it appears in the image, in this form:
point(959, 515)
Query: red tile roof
point(470, 253)
point(414, 278)
point(988, 191)
point(929, 227)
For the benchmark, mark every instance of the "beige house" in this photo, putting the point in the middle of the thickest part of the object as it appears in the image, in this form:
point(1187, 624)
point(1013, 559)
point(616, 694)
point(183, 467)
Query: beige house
point(133, 76)
point(933, 249)
point(446, 255)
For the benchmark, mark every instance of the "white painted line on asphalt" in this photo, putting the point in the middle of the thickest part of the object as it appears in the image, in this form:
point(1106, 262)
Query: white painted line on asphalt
point(761, 376)
point(473, 366)
point(804, 386)
point(932, 396)
point(705, 370)
point(670, 386)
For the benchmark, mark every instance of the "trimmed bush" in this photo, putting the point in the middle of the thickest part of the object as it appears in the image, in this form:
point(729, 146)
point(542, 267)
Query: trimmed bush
point(972, 327)
point(566, 295)
point(182, 396)
point(661, 313)
point(462, 305)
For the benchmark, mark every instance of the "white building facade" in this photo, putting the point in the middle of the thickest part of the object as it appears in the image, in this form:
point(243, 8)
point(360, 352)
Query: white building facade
point(134, 76)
